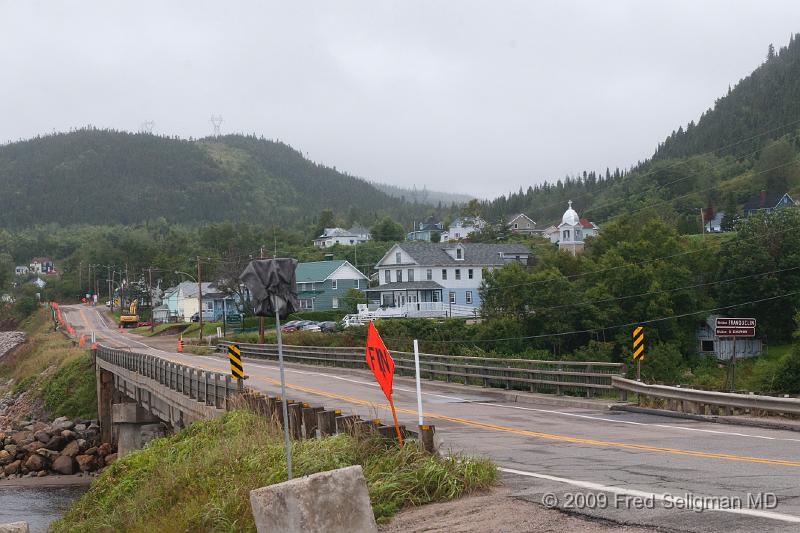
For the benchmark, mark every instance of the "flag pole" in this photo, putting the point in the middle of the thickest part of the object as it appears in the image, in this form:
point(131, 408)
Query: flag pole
point(396, 425)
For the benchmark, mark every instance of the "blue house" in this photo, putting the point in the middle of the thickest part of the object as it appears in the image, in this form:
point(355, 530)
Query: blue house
point(322, 285)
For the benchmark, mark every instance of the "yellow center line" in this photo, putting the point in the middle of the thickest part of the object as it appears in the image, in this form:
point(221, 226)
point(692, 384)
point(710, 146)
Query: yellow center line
point(528, 433)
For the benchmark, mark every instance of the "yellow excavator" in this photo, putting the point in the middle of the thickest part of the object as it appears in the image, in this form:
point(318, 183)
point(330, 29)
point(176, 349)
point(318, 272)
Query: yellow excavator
point(129, 318)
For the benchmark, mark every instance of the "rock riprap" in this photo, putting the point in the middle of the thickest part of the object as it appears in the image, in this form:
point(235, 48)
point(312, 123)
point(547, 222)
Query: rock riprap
point(64, 446)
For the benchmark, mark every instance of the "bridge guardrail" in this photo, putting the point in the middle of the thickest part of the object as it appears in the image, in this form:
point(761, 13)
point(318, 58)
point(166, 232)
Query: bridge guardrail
point(211, 388)
point(559, 377)
point(696, 401)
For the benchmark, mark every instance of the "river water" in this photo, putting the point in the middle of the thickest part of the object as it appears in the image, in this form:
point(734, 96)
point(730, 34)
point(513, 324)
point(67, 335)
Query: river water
point(36, 505)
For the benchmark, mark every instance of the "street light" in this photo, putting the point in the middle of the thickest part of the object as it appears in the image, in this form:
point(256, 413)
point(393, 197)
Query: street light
point(200, 300)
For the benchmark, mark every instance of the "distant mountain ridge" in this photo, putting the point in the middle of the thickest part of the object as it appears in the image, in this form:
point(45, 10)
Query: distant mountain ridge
point(423, 195)
point(104, 176)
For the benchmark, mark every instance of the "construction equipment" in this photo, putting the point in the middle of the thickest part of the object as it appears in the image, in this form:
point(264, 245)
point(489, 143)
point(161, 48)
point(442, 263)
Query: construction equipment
point(130, 318)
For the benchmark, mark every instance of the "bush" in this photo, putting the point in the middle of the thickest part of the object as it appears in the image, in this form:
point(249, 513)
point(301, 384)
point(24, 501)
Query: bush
point(663, 363)
point(787, 379)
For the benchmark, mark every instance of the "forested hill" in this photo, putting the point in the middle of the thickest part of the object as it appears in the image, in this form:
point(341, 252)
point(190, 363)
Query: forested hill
point(104, 176)
point(766, 101)
point(749, 141)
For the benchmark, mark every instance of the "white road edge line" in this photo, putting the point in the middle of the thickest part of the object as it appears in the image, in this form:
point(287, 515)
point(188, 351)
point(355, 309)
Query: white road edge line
point(676, 500)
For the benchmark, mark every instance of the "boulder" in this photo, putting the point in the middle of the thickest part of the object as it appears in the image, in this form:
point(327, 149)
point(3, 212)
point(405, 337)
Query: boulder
point(91, 451)
point(33, 446)
point(56, 443)
point(42, 436)
point(104, 449)
point(80, 427)
point(13, 467)
point(69, 434)
point(44, 452)
point(14, 527)
point(5, 457)
point(64, 465)
point(110, 458)
point(35, 463)
point(86, 462)
point(72, 449)
point(11, 449)
point(21, 438)
point(63, 424)
point(82, 444)
point(42, 473)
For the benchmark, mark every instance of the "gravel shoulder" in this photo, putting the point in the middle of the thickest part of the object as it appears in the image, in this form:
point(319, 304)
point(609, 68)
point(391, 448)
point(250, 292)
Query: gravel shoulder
point(495, 511)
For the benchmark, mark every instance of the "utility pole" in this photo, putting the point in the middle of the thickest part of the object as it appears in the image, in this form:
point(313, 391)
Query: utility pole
point(110, 296)
point(702, 224)
point(150, 287)
point(261, 339)
point(200, 295)
point(80, 278)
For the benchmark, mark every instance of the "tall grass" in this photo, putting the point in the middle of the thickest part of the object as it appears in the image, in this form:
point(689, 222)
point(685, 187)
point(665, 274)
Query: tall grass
point(200, 479)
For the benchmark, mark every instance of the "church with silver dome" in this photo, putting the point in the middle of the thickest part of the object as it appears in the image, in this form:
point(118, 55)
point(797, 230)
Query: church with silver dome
point(570, 234)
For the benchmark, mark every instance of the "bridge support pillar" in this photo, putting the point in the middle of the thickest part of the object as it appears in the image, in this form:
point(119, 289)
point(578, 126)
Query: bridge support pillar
point(135, 427)
point(105, 398)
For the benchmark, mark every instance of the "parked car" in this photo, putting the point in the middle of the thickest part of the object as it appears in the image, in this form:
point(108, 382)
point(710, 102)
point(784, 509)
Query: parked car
point(328, 326)
point(290, 326)
point(208, 316)
point(309, 325)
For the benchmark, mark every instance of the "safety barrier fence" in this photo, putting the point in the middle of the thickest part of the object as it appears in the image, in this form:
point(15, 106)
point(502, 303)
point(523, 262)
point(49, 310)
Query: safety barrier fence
point(558, 377)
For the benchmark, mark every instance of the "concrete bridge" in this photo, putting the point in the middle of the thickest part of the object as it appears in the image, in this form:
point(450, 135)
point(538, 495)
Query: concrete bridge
point(136, 393)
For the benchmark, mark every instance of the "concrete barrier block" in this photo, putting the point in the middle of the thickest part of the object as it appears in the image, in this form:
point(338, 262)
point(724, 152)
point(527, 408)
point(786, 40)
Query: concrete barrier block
point(336, 501)
point(14, 527)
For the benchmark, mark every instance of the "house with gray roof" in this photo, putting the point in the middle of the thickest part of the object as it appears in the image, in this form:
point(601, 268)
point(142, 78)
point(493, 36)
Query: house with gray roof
point(443, 277)
point(345, 237)
point(322, 285)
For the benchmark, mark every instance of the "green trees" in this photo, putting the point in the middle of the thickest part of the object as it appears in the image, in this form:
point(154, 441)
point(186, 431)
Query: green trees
point(767, 251)
point(387, 230)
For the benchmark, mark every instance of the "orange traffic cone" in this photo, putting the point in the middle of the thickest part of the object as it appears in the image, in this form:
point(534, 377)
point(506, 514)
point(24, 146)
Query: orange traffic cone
point(94, 346)
point(180, 344)
point(82, 341)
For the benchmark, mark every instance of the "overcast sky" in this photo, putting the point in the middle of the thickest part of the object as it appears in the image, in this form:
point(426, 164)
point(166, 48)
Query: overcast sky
point(474, 97)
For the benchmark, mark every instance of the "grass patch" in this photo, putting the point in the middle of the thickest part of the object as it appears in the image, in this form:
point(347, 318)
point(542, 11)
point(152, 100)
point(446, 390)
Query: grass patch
point(52, 369)
point(199, 480)
point(198, 350)
point(755, 374)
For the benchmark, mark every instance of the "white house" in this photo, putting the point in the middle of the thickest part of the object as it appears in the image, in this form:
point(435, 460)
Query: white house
point(345, 237)
point(522, 224)
point(462, 228)
point(571, 232)
point(42, 265)
point(437, 279)
point(21, 270)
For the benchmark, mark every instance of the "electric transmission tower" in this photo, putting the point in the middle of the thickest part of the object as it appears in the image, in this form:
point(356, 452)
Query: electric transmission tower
point(147, 126)
point(216, 121)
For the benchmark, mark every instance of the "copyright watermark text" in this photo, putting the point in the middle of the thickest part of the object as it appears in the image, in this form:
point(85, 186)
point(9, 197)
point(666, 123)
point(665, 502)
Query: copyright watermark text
point(687, 501)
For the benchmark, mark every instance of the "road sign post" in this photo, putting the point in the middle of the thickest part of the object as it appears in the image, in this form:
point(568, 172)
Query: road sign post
point(382, 365)
point(638, 350)
point(734, 328)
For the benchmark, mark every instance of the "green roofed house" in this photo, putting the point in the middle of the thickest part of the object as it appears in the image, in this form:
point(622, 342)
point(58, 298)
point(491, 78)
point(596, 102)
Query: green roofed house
point(322, 285)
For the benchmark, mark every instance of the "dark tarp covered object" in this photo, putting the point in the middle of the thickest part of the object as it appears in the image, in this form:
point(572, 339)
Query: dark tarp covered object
point(270, 278)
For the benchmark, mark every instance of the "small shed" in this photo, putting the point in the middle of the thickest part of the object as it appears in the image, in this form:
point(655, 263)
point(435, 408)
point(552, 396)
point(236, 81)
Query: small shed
point(722, 347)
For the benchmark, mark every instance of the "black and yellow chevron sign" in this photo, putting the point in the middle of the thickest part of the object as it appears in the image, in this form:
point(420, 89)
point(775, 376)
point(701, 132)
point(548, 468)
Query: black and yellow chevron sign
point(638, 343)
point(235, 356)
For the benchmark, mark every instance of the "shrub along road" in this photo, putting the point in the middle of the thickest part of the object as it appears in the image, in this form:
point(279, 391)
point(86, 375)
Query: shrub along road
point(625, 467)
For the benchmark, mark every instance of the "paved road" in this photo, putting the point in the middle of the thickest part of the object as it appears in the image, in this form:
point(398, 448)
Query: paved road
point(624, 467)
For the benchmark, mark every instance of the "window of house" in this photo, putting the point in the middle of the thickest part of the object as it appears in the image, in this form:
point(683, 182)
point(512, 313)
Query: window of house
point(566, 234)
point(387, 276)
point(469, 297)
point(458, 273)
point(410, 274)
point(358, 284)
point(429, 274)
point(335, 303)
point(398, 257)
point(334, 284)
point(444, 273)
point(515, 225)
point(398, 275)
point(459, 252)
point(306, 303)
point(436, 296)
point(452, 297)
point(706, 346)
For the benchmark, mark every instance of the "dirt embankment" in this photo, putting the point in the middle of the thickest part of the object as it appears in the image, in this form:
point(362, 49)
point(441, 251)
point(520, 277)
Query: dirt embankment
point(9, 340)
